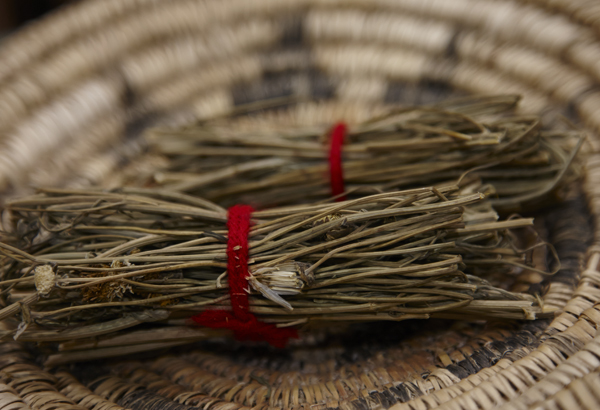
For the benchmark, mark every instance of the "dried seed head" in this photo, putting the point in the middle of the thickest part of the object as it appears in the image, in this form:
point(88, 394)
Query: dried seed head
point(285, 279)
point(44, 279)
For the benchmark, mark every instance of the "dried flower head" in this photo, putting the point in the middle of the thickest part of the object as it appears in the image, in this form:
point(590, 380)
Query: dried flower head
point(285, 279)
point(44, 279)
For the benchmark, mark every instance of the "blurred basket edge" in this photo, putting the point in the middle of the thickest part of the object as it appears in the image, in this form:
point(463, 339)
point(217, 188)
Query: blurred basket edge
point(78, 88)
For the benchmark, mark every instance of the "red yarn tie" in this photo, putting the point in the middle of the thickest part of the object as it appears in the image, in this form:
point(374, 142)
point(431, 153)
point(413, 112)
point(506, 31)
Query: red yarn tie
point(335, 161)
point(245, 326)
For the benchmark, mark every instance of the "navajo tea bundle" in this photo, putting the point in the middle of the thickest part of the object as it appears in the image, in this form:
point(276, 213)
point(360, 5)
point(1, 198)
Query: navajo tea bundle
point(460, 142)
point(79, 264)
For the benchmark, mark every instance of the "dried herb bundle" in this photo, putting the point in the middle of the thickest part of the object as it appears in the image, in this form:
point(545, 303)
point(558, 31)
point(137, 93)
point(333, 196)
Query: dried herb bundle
point(79, 264)
point(457, 142)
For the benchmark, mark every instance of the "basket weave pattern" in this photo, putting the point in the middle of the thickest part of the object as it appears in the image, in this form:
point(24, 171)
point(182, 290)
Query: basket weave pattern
point(78, 88)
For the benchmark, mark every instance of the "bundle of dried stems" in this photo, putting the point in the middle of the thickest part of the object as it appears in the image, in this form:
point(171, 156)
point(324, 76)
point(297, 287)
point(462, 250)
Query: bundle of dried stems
point(452, 143)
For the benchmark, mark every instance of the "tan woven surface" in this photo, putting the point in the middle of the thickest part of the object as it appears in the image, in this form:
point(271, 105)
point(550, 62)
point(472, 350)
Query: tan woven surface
point(78, 88)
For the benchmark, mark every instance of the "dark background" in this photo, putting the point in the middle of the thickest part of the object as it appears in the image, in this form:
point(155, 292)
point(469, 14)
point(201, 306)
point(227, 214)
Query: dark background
point(14, 13)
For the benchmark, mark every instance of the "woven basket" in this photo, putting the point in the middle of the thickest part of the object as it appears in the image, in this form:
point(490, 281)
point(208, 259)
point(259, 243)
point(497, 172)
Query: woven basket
point(78, 88)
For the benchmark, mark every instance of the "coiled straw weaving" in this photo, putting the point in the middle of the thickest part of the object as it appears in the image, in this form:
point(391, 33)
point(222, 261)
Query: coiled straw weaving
point(78, 88)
